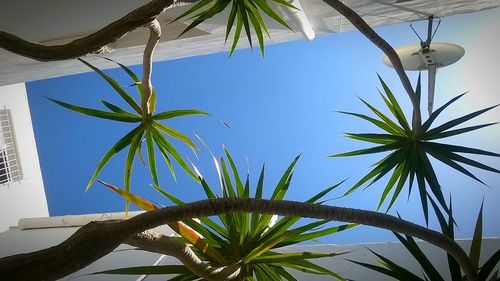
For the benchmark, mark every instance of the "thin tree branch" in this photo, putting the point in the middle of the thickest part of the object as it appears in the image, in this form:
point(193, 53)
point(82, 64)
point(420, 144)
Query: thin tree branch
point(91, 43)
point(96, 239)
point(161, 244)
point(154, 37)
point(369, 33)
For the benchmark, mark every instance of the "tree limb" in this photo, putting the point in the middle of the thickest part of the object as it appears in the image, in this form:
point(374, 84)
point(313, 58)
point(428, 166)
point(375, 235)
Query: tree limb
point(96, 239)
point(369, 33)
point(91, 43)
point(161, 244)
point(154, 37)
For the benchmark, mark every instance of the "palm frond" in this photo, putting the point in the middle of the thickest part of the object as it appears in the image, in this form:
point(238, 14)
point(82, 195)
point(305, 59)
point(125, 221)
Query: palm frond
point(247, 14)
point(409, 154)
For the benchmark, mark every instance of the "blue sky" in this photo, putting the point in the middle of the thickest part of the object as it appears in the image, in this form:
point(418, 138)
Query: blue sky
point(277, 107)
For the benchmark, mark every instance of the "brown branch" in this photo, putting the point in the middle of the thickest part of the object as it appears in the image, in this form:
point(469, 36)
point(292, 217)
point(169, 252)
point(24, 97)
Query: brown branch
point(154, 37)
point(369, 33)
point(89, 243)
point(95, 240)
point(91, 43)
point(161, 244)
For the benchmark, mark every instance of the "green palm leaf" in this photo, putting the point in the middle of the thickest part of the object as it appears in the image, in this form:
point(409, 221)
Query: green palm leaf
point(307, 266)
point(151, 154)
point(285, 223)
point(412, 247)
point(447, 229)
point(380, 269)
point(450, 124)
point(375, 138)
point(254, 221)
point(244, 13)
point(393, 105)
point(175, 134)
point(281, 271)
point(149, 126)
point(427, 124)
point(115, 86)
point(391, 269)
point(372, 150)
point(123, 117)
point(456, 132)
point(121, 144)
point(178, 113)
point(164, 144)
point(315, 234)
point(231, 18)
point(115, 108)
point(374, 121)
point(244, 17)
point(250, 241)
point(129, 162)
point(475, 248)
point(273, 258)
point(408, 153)
point(279, 193)
point(131, 74)
point(386, 120)
point(489, 265)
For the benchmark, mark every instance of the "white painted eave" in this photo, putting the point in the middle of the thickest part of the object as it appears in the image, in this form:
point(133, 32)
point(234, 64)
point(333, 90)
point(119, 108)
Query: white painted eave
point(39, 21)
point(71, 220)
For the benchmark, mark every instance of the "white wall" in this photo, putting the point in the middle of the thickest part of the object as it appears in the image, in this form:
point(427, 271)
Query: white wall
point(18, 240)
point(27, 197)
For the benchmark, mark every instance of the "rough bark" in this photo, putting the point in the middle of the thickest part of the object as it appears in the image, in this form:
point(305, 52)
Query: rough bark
point(388, 50)
point(154, 37)
point(95, 240)
point(161, 244)
point(91, 43)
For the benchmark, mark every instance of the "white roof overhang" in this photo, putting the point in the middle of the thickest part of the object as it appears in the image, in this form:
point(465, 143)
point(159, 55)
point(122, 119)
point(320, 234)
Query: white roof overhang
point(56, 22)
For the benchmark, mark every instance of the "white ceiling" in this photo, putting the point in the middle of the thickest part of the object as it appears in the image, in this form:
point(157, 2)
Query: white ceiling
point(55, 21)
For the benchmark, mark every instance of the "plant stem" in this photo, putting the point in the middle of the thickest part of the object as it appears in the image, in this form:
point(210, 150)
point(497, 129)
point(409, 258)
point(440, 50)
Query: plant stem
point(91, 43)
point(369, 33)
point(154, 37)
point(161, 244)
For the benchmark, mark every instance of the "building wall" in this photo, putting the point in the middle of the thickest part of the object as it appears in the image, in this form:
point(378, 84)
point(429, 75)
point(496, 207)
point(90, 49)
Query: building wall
point(25, 198)
point(18, 240)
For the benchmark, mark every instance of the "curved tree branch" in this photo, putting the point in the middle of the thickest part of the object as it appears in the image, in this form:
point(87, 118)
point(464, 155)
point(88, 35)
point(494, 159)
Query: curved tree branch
point(154, 37)
point(91, 43)
point(161, 244)
point(96, 239)
point(369, 33)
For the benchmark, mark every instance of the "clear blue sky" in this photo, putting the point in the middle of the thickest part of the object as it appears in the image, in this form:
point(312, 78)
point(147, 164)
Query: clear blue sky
point(277, 107)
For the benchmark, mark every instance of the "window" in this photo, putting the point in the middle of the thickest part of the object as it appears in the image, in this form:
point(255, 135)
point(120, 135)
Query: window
point(9, 165)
